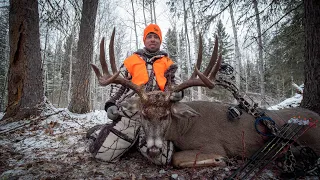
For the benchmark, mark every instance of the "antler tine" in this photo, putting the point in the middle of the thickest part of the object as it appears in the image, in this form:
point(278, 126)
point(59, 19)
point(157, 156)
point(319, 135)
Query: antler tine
point(205, 79)
point(213, 58)
point(103, 62)
point(199, 60)
point(108, 78)
point(111, 52)
point(96, 70)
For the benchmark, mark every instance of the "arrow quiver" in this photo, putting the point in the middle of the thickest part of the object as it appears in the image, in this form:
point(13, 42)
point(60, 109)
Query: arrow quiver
point(287, 135)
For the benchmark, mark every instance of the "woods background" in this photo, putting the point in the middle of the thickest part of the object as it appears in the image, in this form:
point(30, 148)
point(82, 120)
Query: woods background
point(263, 40)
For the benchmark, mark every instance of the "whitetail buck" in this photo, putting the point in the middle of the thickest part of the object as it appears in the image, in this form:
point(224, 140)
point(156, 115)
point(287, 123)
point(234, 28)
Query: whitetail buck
point(199, 129)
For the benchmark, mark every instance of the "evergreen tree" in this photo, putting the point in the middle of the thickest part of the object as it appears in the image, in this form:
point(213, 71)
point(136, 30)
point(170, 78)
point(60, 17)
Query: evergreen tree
point(170, 44)
point(217, 93)
point(206, 53)
point(53, 65)
point(286, 56)
point(225, 45)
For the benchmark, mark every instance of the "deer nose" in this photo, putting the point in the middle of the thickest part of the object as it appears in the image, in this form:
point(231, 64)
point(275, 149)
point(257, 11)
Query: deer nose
point(154, 151)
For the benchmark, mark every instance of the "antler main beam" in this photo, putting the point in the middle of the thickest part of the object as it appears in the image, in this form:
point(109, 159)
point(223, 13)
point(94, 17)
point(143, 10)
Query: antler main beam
point(207, 78)
point(108, 78)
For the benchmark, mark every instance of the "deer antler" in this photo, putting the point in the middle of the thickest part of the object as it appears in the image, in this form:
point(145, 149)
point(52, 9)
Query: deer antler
point(108, 78)
point(207, 78)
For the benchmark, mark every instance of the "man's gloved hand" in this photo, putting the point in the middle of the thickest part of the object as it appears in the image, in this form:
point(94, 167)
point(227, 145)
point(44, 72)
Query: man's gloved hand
point(176, 96)
point(113, 112)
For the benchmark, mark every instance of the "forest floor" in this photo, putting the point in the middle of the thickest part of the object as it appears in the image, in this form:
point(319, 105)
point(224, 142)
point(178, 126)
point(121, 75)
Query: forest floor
point(53, 146)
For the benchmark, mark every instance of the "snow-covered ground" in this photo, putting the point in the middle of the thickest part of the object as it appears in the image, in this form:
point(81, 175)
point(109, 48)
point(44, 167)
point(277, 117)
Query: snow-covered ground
point(56, 136)
point(288, 103)
point(53, 146)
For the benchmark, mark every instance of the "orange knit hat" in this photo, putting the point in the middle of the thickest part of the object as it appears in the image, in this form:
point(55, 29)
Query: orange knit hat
point(154, 29)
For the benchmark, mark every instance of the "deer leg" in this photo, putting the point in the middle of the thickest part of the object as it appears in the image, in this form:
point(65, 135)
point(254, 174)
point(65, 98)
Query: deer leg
point(196, 158)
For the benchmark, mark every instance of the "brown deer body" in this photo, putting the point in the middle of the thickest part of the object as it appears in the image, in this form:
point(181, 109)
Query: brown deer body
point(212, 137)
point(200, 130)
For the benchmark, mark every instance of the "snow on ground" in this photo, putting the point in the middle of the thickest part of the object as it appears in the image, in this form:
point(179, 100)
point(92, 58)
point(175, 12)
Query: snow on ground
point(53, 146)
point(291, 102)
point(288, 103)
point(57, 138)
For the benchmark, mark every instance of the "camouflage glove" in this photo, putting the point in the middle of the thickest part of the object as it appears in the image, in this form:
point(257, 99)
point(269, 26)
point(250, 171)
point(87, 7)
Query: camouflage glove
point(176, 96)
point(113, 112)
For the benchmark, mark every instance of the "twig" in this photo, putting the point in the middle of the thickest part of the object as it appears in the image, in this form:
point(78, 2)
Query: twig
point(278, 21)
point(214, 16)
point(30, 121)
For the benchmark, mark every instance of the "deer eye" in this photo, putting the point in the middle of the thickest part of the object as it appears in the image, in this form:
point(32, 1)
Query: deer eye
point(165, 116)
point(167, 112)
point(143, 113)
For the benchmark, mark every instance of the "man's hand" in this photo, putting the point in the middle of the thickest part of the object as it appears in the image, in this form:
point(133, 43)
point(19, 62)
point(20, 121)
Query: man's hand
point(176, 96)
point(113, 113)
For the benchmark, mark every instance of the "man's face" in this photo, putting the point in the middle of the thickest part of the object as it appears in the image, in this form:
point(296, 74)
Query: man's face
point(152, 42)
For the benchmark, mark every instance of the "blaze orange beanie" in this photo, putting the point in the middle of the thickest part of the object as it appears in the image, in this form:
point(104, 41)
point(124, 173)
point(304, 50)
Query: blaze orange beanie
point(154, 29)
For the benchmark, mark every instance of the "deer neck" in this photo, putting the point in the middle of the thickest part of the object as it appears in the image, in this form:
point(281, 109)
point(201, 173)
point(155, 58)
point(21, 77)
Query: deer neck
point(177, 128)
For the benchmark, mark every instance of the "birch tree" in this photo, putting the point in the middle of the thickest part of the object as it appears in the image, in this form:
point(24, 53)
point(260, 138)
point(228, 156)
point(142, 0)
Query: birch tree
point(4, 54)
point(134, 24)
point(144, 12)
point(260, 46)
point(154, 11)
point(195, 38)
point(185, 17)
point(236, 46)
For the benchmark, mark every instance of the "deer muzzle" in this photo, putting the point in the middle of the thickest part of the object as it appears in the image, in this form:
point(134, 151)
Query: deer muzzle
point(154, 147)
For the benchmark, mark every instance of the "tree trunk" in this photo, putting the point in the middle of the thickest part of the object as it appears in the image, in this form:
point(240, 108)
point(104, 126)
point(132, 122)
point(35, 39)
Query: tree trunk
point(246, 75)
point(4, 53)
point(261, 61)
point(134, 24)
point(55, 57)
point(70, 58)
point(144, 13)
point(154, 12)
point(80, 102)
point(196, 42)
point(44, 65)
point(311, 93)
point(25, 84)
point(185, 15)
point(236, 46)
point(151, 16)
point(178, 59)
point(94, 92)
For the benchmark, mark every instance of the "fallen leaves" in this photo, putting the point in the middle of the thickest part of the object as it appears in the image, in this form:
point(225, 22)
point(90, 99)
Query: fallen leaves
point(50, 126)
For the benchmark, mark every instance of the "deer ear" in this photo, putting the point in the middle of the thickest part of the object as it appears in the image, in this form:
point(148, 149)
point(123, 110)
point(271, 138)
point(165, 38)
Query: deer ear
point(183, 111)
point(131, 104)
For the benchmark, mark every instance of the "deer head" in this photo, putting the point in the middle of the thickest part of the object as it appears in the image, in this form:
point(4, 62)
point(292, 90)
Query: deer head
point(155, 108)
